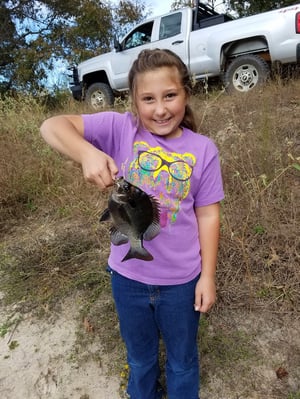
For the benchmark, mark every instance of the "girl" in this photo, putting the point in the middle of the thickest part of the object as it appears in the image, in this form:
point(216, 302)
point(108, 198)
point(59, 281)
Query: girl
point(155, 148)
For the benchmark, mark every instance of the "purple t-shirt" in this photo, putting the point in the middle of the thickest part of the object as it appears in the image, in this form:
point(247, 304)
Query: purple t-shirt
point(181, 173)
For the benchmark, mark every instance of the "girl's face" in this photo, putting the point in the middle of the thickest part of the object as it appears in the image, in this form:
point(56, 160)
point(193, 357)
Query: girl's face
point(160, 100)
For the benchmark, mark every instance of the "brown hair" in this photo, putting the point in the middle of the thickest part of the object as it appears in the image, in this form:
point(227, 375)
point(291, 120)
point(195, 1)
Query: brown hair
point(149, 60)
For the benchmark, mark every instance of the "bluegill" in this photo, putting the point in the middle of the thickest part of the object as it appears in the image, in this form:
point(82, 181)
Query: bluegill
point(135, 217)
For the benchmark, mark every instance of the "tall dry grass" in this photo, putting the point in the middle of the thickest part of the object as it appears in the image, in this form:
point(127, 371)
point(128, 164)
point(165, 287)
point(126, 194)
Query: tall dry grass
point(51, 241)
point(259, 140)
point(48, 214)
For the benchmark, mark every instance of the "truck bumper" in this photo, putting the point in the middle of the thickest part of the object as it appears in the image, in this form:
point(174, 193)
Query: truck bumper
point(298, 53)
point(76, 86)
point(77, 92)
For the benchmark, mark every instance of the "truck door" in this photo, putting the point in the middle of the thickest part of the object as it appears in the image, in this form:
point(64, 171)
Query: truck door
point(121, 61)
point(172, 35)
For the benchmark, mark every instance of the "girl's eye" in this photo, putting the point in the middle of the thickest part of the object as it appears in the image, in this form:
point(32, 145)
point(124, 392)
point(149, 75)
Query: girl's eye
point(148, 99)
point(171, 95)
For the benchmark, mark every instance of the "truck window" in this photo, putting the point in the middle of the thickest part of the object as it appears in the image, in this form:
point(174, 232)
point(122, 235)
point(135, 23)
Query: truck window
point(170, 25)
point(140, 35)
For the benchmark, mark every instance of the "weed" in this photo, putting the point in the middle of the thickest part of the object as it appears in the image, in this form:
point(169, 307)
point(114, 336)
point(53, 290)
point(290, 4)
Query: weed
point(223, 347)
point(259, 229)
point(295, 395)
point(13, 345)
point(4, 328)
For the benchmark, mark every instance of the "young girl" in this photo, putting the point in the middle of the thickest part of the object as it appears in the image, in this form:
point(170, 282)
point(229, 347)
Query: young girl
point(155, 148)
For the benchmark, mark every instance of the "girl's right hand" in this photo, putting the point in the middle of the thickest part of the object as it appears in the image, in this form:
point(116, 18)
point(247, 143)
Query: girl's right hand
point(99, 168)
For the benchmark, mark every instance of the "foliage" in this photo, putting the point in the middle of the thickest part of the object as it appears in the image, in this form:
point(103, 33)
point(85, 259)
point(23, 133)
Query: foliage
point(244, 8)
point(35, 35)
point(241, 7)
point(182, 3)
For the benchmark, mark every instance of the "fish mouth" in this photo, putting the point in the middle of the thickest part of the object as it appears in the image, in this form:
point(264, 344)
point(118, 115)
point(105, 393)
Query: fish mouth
point(119, 197)
point(118, 187)
point(118, 182)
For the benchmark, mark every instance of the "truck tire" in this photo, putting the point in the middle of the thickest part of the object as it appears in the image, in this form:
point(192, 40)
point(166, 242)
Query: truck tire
point(99, 95)
point(245, 73)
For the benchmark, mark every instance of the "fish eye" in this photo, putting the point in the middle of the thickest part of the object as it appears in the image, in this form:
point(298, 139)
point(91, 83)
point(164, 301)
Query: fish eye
point(126, 186)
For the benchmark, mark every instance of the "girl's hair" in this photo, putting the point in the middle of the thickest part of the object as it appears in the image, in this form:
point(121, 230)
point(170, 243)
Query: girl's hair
point(149, 60)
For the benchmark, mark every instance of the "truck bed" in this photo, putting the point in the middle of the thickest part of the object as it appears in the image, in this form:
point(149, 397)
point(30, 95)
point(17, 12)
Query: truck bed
point(206, 16)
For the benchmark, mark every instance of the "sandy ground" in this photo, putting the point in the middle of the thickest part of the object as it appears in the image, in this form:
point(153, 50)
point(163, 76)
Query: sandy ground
point(41, 365)
point(38, 358)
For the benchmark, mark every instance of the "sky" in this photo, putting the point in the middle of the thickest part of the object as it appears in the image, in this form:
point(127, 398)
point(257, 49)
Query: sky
point(159, 7)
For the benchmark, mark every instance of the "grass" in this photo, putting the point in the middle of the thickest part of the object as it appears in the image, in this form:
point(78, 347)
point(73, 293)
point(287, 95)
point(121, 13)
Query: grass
point(223, 346)
point(4, 328)
point(295, 395)
point(52, 244)
point(259, 150)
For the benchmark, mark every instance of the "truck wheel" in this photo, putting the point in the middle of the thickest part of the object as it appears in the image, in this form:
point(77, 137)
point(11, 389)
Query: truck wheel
point(246, 72)
point(99, 96)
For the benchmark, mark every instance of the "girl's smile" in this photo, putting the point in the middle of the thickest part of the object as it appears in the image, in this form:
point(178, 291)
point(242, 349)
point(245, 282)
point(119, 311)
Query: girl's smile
point(161, 100)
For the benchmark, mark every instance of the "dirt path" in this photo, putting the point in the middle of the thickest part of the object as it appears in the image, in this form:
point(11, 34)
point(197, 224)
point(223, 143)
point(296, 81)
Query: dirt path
point(38, 361)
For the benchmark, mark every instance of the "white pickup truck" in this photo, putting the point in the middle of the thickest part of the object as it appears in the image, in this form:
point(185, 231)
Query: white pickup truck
point(241, 52)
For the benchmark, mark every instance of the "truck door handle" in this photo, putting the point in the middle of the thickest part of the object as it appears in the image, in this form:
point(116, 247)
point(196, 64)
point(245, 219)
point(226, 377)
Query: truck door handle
point(178, 42)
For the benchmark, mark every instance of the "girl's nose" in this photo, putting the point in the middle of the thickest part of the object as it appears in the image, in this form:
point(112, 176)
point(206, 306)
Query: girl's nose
point(160, 108)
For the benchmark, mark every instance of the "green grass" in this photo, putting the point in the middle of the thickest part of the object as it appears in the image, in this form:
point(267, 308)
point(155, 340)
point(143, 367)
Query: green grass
point(295, 395)
point(224, 347)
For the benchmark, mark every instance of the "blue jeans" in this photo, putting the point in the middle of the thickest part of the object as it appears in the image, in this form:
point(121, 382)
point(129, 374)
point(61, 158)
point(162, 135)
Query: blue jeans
point(147, 312)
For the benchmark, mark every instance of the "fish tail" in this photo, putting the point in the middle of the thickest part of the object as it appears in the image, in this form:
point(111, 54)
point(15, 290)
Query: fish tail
point(138, 253)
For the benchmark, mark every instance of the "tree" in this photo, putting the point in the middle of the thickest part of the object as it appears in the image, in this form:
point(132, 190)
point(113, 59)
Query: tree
point(241, 7)
point(34, 35)
point(244, 8)
point(191, 3)
point(182, 3)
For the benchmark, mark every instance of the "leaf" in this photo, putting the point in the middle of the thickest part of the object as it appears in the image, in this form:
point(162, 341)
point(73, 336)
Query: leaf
point(281, 373)
point(296, 166)
point(87, 325)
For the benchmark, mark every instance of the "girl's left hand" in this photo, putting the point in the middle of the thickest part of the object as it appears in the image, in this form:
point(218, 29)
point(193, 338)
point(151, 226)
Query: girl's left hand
point(205, 294)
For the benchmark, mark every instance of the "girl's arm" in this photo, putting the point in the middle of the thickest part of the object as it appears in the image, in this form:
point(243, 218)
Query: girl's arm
point(65, 133)
point(209, 224)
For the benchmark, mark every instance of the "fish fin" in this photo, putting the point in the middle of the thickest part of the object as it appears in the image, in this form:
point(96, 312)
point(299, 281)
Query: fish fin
point(138, 253)
point(154, 228)
point(118, 238)
point(105, 215)
point(152, 231)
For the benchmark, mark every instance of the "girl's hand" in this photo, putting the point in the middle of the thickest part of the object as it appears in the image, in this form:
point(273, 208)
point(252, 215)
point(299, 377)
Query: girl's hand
point(98, 168)
point(205, 294)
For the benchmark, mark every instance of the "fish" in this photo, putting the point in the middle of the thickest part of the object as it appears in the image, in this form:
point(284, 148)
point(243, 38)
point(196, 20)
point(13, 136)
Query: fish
point(135, 218)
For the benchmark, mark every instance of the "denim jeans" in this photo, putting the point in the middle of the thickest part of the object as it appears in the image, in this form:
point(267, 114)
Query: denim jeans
point(146, 313)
